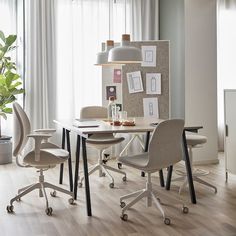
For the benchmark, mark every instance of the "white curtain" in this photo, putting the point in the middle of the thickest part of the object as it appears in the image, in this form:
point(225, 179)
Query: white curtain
point(40, 76)
point(62, 39)
point(226, 39)
point(8, 26)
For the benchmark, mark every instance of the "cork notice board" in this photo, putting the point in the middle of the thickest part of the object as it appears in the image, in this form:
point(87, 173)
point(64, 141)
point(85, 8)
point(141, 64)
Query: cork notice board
point(133, 102)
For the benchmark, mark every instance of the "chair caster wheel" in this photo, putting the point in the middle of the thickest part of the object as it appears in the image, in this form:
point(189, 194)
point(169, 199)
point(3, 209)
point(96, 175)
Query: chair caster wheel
point(124, 217)
point(111, 185)
point(18, 199)
point(71, 201)
point(53, 193)
point(167, 221)
point(104, 162)
point(10, 208)
point(119, 165)
point(185, 210)
point(122, 204)
point(80, 185)
point(124, 178)
point(49, 211)
point(103, 174)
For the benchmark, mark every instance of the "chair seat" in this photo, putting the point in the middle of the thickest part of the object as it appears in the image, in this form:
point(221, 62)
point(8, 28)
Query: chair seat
point(103, 140)
point(139, 161)
point(49, 157)
point(195, 139)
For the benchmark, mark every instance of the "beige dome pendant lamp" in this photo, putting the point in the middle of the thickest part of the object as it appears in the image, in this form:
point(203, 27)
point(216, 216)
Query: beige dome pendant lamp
point(125, 53)
point(102, 57)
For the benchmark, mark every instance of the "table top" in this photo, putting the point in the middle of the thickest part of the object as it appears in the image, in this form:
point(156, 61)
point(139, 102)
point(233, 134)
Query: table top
point(142, 124)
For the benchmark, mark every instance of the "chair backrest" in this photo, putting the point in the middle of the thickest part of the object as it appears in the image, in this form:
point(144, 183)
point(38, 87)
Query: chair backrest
point(93, 112)
point(21, 129)
point(165, 146)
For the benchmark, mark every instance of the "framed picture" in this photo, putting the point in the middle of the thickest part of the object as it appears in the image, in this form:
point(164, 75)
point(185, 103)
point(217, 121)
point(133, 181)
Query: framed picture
point(110, 91)
point(149, 56)
point(117, 76)
point(135, 83)
point(153, 83)
point(150, 107)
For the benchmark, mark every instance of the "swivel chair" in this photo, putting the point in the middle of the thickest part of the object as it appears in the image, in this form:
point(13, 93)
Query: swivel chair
point(43, 156)
point(165, 149)
point(100, 141)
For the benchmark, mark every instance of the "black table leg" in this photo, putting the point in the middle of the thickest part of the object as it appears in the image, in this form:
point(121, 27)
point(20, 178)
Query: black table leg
point(161, 176)
point(77, 166)
point(69, 160)
point(188, 170)
point(86, 178)
point(169, 175)
point(146, 148)
point(63, 147)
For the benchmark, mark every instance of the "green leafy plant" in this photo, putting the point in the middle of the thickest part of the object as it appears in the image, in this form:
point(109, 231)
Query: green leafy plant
point(10, 84)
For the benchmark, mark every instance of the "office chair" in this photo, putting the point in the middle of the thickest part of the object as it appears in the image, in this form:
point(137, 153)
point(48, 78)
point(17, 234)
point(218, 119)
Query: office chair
point(165, 149)
point(101, 142)
point(194, 141)
point(43, 156)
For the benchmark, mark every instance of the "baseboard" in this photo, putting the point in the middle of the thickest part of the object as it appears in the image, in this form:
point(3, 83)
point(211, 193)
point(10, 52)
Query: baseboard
point(206, 162)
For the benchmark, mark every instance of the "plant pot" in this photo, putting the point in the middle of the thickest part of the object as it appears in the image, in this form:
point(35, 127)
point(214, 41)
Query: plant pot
point(5, 151)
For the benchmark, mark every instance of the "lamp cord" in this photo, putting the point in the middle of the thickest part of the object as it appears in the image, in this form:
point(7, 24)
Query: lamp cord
point(125, 16)
point(109, 19)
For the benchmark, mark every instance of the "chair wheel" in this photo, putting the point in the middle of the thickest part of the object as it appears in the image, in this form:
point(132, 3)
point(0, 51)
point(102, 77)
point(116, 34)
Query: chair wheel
point(124, 178)
point(80, 185)
point(49, 211)
point(119, 165)
point(185, 210)
point(10, 208)
point(103, 174)
point(124, 217)
point(167, 221)
point(18, 199)
point(104, 162)
point(53, 193)
point(111, 185)
point(71, 201)
point(122, 204)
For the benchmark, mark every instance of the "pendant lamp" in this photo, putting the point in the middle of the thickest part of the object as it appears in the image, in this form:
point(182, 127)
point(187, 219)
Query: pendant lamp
point(125, 53)
point(102, 57)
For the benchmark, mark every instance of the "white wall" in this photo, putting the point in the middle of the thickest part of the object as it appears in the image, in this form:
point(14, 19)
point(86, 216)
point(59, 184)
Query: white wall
point(201, 73)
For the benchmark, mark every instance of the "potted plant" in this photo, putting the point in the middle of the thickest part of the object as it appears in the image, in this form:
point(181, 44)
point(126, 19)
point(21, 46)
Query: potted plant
point(9, 78)
point(10, 84)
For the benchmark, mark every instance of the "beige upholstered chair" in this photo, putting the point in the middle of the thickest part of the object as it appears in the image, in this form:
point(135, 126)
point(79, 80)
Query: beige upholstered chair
point(44, 156)
point(101, 142)
point(165, 149)
point(194, 141)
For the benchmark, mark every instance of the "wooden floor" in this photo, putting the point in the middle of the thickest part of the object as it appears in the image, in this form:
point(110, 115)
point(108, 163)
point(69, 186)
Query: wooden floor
point(215, 214)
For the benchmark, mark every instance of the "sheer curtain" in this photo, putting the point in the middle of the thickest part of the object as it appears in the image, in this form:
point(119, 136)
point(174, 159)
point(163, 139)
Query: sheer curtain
point(226, 57)
point(62, 39)
point(8, 26)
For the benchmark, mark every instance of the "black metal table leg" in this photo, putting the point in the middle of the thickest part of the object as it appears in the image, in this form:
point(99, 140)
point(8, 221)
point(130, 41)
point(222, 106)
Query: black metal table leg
point(86, 178)
point(161, 176)
point(188, 170)
point(169, 175)
point(63, 147)
point(77, 166)
point(69, 160)
point(146, 148)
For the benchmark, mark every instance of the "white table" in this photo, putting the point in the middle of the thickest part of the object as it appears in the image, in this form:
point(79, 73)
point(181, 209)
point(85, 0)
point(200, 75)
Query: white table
point(142, 125)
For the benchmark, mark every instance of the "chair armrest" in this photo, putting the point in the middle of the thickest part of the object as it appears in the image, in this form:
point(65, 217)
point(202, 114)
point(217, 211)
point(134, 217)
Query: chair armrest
point(38, 140)
point(45, 131)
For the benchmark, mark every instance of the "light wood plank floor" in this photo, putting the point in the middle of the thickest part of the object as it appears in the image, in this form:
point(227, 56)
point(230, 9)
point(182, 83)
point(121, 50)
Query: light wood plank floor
point(215, 214)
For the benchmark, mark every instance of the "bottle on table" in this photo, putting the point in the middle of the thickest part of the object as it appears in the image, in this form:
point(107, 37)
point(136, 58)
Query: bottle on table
point(111, 107)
